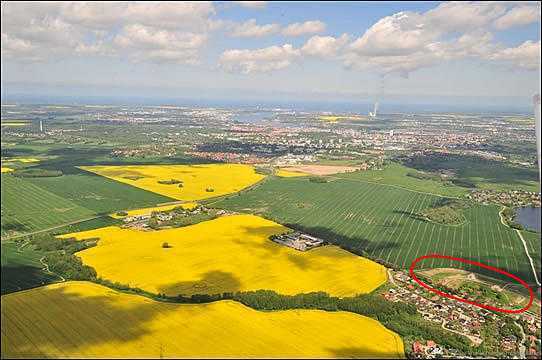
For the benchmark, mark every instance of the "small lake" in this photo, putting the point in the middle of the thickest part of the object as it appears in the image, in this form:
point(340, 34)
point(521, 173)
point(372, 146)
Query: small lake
point(529, 217)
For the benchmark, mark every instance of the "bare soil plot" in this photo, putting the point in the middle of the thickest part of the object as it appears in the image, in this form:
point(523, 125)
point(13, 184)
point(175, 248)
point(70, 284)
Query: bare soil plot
point(321, 169)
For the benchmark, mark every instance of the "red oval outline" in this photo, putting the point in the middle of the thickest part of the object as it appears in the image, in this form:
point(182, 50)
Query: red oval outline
point(453, 297)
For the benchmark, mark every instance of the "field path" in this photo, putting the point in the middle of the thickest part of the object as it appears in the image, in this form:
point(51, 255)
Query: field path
point(49, 229)
point(46, 269)
point(528, 255)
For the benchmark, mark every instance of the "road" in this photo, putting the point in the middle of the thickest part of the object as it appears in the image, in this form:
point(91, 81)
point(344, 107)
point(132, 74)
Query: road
point(51, 228)
point(46, 269)
point(528, 255)
point(521, 345)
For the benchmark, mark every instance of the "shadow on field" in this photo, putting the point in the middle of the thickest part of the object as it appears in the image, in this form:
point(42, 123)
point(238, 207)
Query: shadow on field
point(212, 282)
point(409, 214)
point(354, 244)
point(19, 152)
point(22, 277)
point(14, 226)
point(59, 318)
point(360, 352)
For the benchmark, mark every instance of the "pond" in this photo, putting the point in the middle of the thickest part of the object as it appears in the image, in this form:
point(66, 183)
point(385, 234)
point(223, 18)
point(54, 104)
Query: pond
point(529, 217)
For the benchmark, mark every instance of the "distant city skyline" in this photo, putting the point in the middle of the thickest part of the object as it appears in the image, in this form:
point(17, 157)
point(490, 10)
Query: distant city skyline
point(405, 52)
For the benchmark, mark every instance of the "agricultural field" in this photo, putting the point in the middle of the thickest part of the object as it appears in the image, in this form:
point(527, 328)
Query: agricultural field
point(484, 173)
point(27, 207)
point(287, 173)
point(33, 204)
point(183, 182)
point(22, 269)
point(320, 170)
point(121, 325)
point(395, 175)
point(382, 222)
point(149, 210)
point(534, 244)
point(97, 193)
point(227, 254)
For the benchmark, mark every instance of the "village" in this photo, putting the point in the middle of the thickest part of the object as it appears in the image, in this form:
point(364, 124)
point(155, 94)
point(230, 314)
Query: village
point(463, 319)
point(514, 198)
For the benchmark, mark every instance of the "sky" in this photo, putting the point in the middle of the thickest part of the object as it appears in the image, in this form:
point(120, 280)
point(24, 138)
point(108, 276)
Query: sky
point(309, 51)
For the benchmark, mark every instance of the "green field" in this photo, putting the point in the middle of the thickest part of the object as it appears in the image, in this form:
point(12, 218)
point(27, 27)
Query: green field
point(395, 175)
point(534, 246)
point(33, 204)
point(484, 173)
point(380, 221)
point(21, 268)
point(97, 193)
point(27, 207)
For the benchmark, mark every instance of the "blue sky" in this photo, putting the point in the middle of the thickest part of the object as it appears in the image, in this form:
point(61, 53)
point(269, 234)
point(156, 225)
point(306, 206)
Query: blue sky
point(336, 51)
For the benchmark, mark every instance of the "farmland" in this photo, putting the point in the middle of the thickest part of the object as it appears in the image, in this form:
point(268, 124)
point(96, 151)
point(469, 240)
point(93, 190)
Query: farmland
point(287, 173)
point(396, 175)
point(483, 173)
point(120, 325)
point(382, 222)
point(149, 210)
point(183, 182)
point(33, 204)
point(21, 268)
point(230, 253)
point(96, 193)
point(27, 207)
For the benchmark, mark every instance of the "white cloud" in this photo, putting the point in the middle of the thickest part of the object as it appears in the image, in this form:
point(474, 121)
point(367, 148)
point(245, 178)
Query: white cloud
point(252, 4)
point(526, 55)
point(324, 46)
point(307, 27)
point(408, 41)
point(462, 16)
point(97, 48)
point(15, 46)
point(518, 16)
point(258, 60)
point(251, 29)
point(143, 42)
point(173, 30)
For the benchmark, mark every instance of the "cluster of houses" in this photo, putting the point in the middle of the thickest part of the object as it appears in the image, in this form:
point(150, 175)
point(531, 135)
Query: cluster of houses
point(428, 350)
point(297, 240)
point(455, 316)
point(229, 157)
point(511, 198)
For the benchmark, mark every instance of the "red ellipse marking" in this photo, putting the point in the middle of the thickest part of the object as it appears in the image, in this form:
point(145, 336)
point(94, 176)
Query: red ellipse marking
point(453, 297)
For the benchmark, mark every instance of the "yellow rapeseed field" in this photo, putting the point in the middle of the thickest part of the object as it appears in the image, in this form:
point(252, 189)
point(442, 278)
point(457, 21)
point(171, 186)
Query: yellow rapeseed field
point(336, 118)
point(146, 211)
point(23, 160)
point(86, 320)
point(14, 124)
point(199, 181)
point(6, 169)
point(229, 253)
point(286, 173)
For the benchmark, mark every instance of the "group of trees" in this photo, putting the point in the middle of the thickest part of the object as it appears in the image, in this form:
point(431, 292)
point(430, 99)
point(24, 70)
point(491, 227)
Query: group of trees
point(60, 258)
point(446, 211)
point(36, 172)
point(318, 179)
point(509, 215)
point(170, 182)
